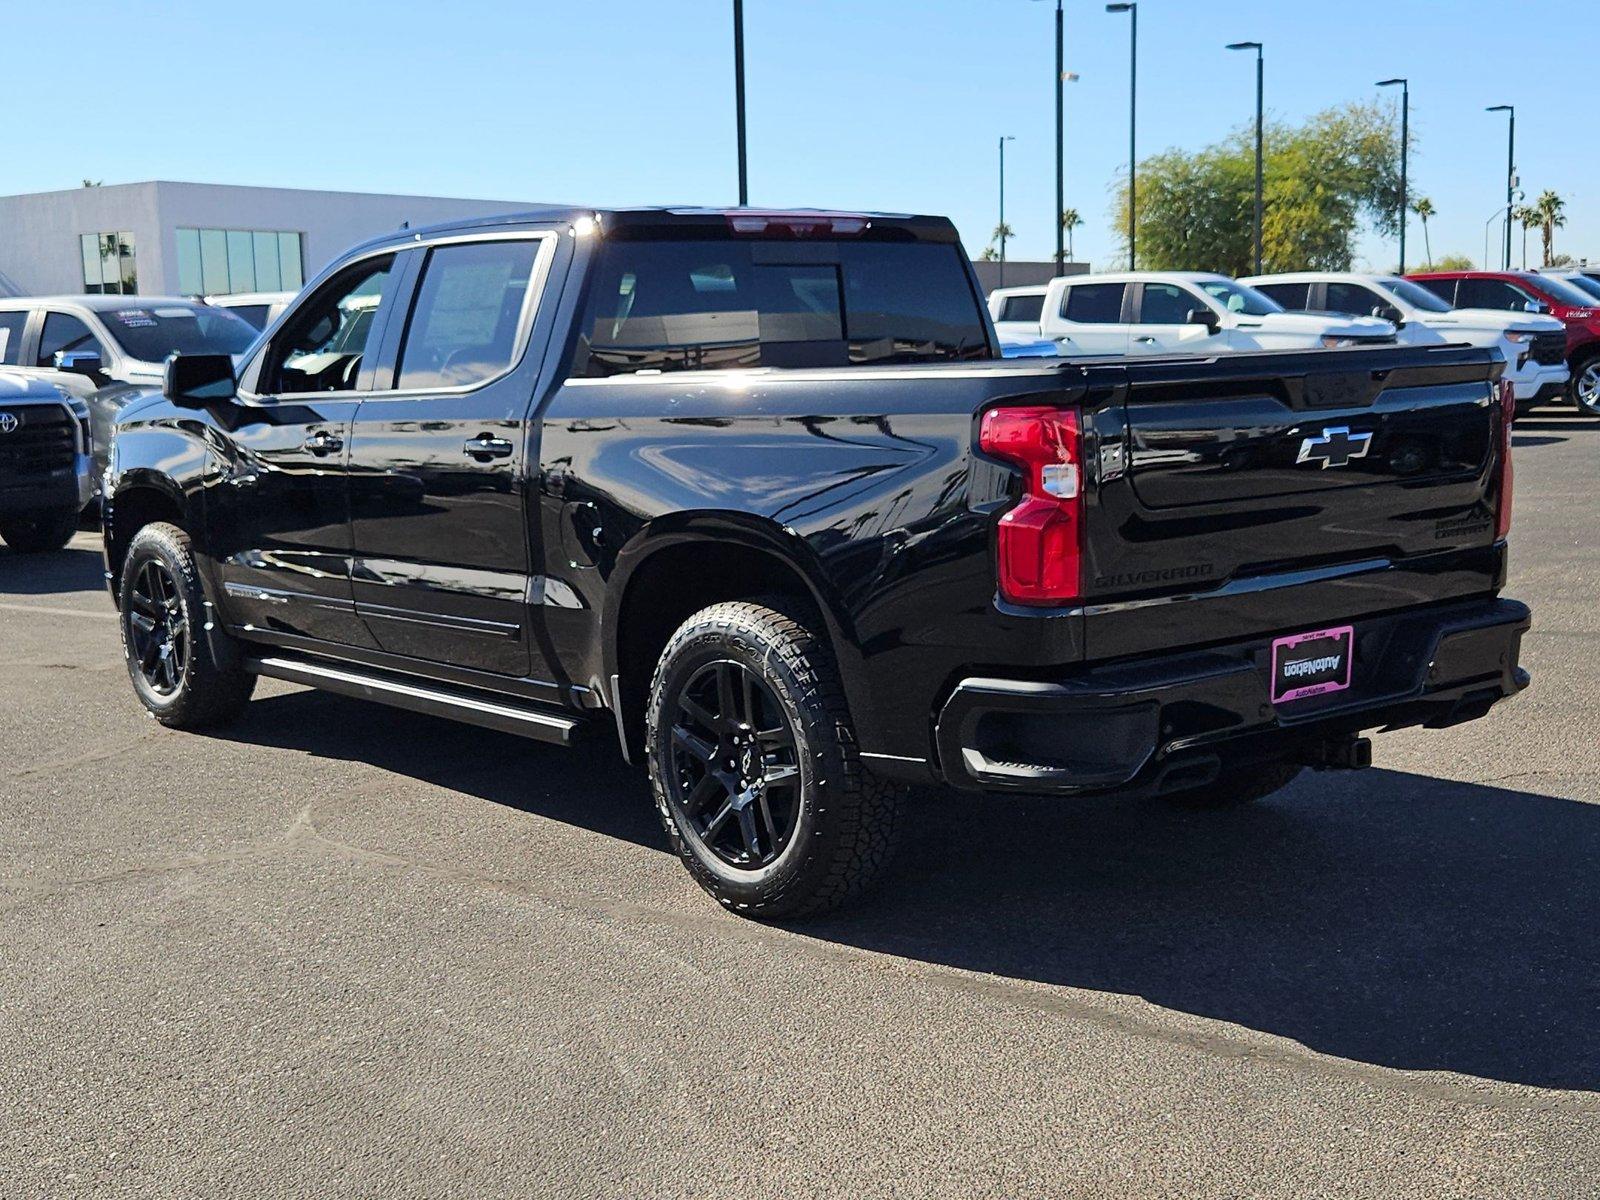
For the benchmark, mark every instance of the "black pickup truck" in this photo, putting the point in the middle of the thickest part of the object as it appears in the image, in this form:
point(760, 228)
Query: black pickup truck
point(753, 496)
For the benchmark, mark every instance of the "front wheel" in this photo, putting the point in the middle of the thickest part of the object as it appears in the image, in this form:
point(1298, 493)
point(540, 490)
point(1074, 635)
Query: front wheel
point(39, 533)
point(1584, 386)
point(754, 768)
point(187, 675)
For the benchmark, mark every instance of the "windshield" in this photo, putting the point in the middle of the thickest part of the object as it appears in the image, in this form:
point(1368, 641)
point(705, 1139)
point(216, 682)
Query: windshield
point(1416, 295)
point(1562, 291)
point(150, 334)
point(1587, 284)
point(1237, 298)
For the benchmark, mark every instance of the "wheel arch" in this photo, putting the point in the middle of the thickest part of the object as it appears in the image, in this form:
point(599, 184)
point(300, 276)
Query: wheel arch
point(672, 570)
point(142, 497)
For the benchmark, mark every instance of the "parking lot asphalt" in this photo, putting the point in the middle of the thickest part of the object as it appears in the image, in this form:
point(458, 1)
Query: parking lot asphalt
point(341, 950)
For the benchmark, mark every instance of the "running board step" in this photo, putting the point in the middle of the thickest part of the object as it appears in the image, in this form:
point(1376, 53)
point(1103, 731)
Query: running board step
point(418, 697)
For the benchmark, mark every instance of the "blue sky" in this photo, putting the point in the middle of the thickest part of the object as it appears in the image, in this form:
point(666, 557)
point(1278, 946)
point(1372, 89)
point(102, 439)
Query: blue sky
point(889, 104)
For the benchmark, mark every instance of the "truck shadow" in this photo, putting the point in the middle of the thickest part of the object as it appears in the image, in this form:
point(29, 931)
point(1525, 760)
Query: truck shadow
point(1388, 918)
point(71, 570)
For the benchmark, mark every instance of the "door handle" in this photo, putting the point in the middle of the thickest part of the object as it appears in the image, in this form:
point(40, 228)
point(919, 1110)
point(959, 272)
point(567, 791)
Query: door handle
point(322, 443)
point(1146, 341)
point(486, 446)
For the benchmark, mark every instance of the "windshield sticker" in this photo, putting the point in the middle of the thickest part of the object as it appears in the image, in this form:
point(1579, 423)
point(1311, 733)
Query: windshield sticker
point(176, 312)
point(135, 318)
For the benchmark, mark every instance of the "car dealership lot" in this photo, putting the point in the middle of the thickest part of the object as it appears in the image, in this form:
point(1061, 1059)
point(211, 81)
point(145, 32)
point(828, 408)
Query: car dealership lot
point(354, 951)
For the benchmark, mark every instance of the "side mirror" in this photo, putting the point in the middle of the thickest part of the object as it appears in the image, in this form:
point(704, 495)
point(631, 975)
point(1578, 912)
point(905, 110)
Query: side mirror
point(80, 362)
point(196, 380)
point(1204, 316)
point(1389, 313)
point(1536, 306)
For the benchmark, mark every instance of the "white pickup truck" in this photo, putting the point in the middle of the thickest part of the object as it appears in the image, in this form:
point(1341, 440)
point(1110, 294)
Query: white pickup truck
point(1168, 312)
point(1534, 345)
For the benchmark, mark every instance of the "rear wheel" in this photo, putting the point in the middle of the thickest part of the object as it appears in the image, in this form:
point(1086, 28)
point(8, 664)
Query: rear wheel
point(1237, 786)
point(39, 533)
point(754, 768)
point(188, 676)
point(1584, 386)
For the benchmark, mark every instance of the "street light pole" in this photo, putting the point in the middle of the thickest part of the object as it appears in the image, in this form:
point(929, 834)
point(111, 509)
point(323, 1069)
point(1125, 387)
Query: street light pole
point(1132, 9)
point(1000, 229)
point(1256, 46)
point(1061, 151)
point(738, 97)
point(1511, 171)
point(1405, 153)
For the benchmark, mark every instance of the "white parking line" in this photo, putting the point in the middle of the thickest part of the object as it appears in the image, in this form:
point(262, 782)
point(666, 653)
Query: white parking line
point(59, 612)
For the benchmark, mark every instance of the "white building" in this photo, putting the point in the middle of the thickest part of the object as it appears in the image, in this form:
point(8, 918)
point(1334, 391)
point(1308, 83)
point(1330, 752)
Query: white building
point(167, 239)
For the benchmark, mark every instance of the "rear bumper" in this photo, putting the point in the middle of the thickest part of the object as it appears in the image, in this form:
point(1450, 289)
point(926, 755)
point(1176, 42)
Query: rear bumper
point(1138, 724)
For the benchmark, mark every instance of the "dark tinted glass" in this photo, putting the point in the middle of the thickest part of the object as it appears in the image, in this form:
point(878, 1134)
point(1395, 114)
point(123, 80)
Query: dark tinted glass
point(1490, 293)
point(254, 315)
point(1167, 304)
point(1291, 295)
point(1022, 308)
point(64, 332)
point(1099, 303)
point(11, 324)
point(463, 327)
point(687, 305)
point(150, 334)
point(1445, 289)
point(1354, 299)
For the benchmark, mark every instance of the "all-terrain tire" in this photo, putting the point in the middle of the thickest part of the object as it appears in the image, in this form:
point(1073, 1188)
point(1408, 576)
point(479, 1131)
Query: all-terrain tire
point(210, 687)
point(1237, 786)
point(845, 818)
point(39, 533)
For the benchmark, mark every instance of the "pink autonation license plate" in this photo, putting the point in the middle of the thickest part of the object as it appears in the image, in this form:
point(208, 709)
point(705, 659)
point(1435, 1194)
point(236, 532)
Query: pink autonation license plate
point(1311, 664)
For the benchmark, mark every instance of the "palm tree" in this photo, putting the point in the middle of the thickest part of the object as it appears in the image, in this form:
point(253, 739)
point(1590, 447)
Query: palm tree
point(1552, 210)
point(1424, 209)
point(1527, 216)
point(1070, 220)
point(1002, 234)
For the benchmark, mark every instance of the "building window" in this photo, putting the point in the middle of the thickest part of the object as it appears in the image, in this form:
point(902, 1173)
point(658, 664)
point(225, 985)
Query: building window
point(218, 262)
point(108, 268)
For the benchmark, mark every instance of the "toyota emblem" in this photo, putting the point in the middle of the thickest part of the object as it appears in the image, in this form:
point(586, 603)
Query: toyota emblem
point(9, 422)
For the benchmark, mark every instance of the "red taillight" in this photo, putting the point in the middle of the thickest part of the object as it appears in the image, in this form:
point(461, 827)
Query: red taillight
point(1041, 539)
point(1508, 413)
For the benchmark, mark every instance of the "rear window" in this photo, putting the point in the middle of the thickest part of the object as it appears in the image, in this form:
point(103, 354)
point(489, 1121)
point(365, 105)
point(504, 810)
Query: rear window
point(704, 305)
point(150, 333)
point(1022, 308)
point(1094, 303)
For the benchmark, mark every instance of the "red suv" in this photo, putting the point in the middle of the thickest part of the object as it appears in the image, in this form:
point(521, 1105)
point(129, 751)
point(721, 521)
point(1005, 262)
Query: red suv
point(1516, 291)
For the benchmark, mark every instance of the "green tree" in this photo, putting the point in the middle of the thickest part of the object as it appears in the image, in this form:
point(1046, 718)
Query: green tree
point(1454, 262)
point(1552, 213)
point(1070, 220)
point(1321, 180)
point(1527, 216)
point(1424, 209)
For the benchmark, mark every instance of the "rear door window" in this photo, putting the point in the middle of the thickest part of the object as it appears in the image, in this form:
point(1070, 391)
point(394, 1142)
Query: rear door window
point(1293, 296)
point(11, 326)
point(468, 312)
point(1094, 303)
point(1491, 293)
point(692, 304)
point(1022, 308)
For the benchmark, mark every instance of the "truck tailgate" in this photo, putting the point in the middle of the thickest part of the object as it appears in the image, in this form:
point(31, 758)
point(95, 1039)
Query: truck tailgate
point(1281, 491)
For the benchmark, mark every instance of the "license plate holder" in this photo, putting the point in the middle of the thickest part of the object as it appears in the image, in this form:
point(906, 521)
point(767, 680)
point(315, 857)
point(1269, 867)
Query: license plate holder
point(1312, 664)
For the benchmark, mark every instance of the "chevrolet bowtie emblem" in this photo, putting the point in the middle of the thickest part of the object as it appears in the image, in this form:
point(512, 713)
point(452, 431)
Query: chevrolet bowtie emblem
point(1334, 447)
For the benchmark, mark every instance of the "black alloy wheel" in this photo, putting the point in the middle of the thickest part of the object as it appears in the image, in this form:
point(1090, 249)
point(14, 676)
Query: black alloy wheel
point(158, 628)
point(735, 778)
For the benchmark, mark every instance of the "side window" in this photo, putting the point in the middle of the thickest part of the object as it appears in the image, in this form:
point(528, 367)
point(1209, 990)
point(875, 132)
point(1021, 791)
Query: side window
point(1445, 289)
point(1022, 308)
point(62, 333)
point(1293, 296)
point(1093, 303)
point(1167, 304)
point(1354, 299)
point(11, 324)
point(1490, 293)
point(320, 349)
point(463, 327)
point(254, 314)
